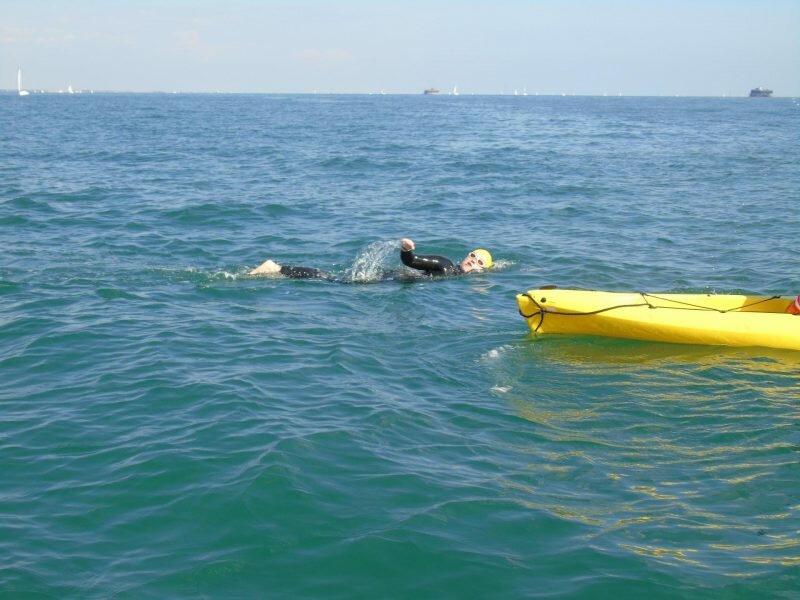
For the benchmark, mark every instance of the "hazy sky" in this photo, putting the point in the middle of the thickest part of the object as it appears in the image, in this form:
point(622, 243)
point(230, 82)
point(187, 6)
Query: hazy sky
point(632, 47)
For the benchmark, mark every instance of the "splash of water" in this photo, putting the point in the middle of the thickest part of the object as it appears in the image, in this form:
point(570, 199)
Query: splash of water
point(373, 261)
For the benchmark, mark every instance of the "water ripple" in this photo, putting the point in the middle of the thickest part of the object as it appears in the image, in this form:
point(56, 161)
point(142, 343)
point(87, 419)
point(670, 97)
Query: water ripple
point(175, 427)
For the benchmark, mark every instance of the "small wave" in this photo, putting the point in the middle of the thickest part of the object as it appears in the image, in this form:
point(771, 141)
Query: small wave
point(228, 275)
point(496, 353)
point(502, 265)
point(14, 220)
point(347, 162)
point(7, 286)
point(195, 214)
point(204, 276)
point(24, 202)
point(502, 389)
point(113, 294)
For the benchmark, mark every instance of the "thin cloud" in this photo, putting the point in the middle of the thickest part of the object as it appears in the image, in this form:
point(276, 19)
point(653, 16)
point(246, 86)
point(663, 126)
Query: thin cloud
point(327, 55)
point(36, 37)
point(191, 41)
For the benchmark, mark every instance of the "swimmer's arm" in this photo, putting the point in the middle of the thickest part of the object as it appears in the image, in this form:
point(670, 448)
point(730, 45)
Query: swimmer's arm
point(428, 263)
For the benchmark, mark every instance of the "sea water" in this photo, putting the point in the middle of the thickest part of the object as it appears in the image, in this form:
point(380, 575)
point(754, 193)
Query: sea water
point(172, 427)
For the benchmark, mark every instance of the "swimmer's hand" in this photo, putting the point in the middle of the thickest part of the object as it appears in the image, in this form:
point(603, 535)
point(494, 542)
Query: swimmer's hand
point(407, 245)
point(269, 267)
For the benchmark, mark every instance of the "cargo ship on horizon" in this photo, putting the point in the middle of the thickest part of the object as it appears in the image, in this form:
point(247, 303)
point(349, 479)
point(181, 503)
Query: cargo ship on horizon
point(760, 92)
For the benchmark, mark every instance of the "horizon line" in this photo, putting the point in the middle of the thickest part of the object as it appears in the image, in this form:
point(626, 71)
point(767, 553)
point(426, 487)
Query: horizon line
point(40, 91)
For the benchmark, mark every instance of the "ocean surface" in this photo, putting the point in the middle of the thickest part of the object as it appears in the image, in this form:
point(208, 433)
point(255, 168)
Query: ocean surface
point(171, 427)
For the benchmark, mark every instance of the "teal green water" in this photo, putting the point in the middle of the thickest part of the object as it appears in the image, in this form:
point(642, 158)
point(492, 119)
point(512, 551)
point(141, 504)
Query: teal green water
point(172, 427)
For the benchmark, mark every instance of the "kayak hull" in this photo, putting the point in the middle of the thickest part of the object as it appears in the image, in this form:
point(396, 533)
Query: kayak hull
point(712, 319)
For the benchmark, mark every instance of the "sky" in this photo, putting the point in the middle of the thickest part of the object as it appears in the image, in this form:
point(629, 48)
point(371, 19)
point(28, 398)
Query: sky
point(587, 47)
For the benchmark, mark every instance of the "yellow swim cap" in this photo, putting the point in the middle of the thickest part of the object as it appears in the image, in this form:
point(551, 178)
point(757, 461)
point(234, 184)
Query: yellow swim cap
point(484, 256)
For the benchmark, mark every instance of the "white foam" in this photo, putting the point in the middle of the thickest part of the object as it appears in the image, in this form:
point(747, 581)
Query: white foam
point(496, 353)
point(371, 262)
point(503, 389)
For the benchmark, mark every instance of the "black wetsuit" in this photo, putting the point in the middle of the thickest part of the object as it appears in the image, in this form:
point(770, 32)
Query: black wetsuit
point(431, 264)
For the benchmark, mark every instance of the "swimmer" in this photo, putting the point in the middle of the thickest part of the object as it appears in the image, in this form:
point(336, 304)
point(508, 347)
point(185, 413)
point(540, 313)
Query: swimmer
point(430, 264)
point(477, 260)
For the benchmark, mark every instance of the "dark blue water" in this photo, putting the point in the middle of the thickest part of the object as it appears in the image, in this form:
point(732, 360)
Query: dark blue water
point(172, 427)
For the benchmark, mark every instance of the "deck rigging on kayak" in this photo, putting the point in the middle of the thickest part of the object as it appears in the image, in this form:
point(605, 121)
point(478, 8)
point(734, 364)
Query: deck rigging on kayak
point(715, 319)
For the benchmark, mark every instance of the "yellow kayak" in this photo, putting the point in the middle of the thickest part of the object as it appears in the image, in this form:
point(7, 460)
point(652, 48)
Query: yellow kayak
point(721, 320)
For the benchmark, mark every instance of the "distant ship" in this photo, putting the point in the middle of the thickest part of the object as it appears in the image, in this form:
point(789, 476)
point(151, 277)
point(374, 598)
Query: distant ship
point(431, 92)
point(760, 92)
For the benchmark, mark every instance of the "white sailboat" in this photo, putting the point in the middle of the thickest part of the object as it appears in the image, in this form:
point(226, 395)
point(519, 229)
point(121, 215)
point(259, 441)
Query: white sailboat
point(20, 91)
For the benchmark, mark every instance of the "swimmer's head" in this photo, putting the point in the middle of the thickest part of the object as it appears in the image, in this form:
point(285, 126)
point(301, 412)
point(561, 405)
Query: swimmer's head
point(477, 260)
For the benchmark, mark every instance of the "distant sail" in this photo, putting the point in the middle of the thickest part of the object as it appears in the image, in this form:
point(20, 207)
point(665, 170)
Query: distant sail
point(20, 91)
